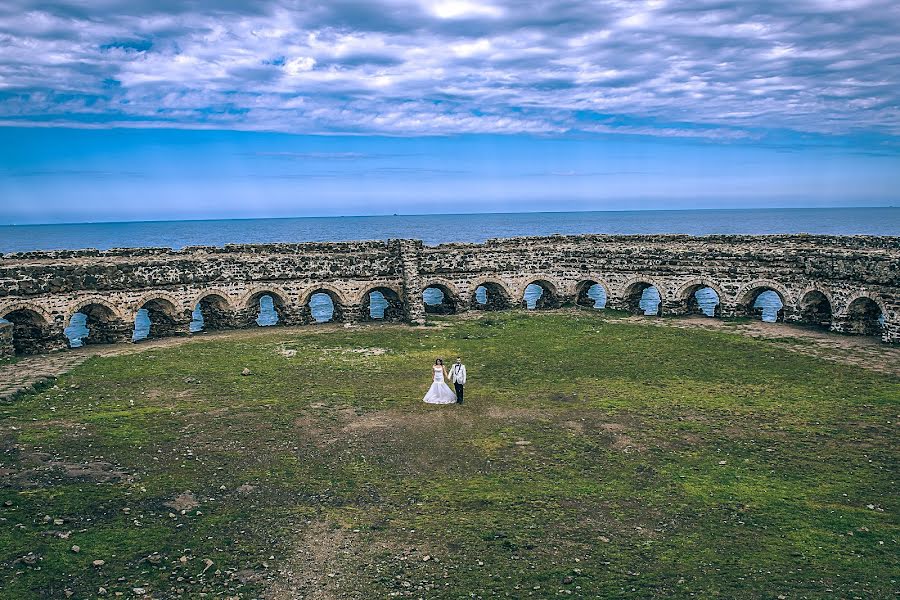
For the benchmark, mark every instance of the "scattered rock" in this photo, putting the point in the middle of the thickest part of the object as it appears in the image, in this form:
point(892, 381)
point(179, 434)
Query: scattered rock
point(723, 462)
point(101, 591)
point(139, 591)
point(191, 380)
point(246, 488)
point(523, 443)
point(246, 372)
point(208, 564)
point(99, 562)
point(8, 503)
point(568, 579)
point(76, 549)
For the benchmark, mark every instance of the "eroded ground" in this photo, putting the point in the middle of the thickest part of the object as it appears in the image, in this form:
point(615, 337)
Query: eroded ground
point(595, 456)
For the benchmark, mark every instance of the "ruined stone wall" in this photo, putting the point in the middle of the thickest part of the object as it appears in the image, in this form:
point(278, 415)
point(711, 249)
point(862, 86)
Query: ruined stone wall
point(853, 277)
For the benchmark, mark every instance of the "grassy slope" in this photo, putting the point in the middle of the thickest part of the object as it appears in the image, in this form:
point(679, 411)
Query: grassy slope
point(660, 462)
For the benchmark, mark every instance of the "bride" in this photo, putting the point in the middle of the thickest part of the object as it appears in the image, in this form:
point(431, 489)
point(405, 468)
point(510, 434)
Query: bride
point(439, 392)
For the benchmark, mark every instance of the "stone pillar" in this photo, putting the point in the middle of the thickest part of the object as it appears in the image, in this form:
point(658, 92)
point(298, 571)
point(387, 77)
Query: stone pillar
point(6, 340)
point(413, 306)
point(113, 331)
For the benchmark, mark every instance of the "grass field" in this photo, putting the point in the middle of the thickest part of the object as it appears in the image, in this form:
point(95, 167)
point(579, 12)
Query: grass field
point(593, 458)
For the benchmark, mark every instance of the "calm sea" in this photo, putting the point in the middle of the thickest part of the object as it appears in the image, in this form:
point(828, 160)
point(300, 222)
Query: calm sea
point(437, 229)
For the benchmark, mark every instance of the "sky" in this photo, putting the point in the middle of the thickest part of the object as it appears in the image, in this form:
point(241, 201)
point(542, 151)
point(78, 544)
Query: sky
point(161, 109)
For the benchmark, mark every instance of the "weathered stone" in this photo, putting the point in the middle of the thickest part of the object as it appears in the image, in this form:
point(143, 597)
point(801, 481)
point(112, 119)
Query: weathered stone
point(841, 282)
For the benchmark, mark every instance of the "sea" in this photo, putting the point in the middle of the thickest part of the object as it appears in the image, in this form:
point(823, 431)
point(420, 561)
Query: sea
point(438, 229)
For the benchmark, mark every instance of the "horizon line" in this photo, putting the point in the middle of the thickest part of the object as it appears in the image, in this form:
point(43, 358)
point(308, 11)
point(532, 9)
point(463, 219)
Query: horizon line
point(381, 215)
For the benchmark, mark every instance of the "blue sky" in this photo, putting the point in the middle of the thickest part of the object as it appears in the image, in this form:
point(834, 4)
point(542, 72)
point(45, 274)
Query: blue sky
point(153, 110)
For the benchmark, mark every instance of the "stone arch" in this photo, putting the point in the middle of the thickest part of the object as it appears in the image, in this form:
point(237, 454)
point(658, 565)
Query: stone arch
point(499, 294)
point(750, 290)
point(863, 314)
point(583, 286)
point(170, 302)
point(217, 309)
point(249, 304)
point(83, 302)
point(256, 292)
point(33, 328)
point(331, 290)
point(338, 302)
point(395, 309)
point(815, 307)
point(105, 322)
point(746, 297)
point(452, 297)
point(686, 299)
point(633, 289)
point(227, 297)
point(27, 306)
point(551, 296)
point(166, 313)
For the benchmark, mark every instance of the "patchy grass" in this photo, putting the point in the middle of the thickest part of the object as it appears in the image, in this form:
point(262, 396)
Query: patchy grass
point(594, 458)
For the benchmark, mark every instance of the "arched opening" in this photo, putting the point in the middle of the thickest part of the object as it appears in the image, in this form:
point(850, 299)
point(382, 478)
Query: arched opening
point(212, 312)
point(864, 317)
point(324, 307)
point(768, 305)
point(439, 300)
point(540, 295)
point(382, 304)
point(31, 333)
point(491, 296)
point(156, 318)
point(95, 324)
point(642, 298)
point(591, 294)
point(703, 300)
point(268, 307)
point(815, 309)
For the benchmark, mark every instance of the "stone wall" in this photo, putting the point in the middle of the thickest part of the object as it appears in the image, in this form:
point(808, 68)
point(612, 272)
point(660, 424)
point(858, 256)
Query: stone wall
point(844, 282)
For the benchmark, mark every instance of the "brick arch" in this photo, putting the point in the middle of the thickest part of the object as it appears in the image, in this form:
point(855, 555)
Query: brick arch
point(228, 298)
point(373, 285)
point(37, 309)
point(175, 302)
point(580, 288)
point(81, 303)
point(339, 294)
point(596, 278)
point(650, 281)
point(442, 283)
point(858, 295)
point(743, 295)
point(556, 290)
point(494, 280)
point(688, 287)
point(275, 291)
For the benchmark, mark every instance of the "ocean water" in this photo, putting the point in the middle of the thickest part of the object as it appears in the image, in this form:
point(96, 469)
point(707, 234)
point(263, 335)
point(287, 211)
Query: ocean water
point(436, 229)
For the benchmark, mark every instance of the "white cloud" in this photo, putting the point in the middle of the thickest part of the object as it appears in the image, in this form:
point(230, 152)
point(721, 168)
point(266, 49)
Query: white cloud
point(408, 67)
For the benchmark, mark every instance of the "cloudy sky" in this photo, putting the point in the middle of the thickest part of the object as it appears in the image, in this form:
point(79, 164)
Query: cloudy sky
point(147, 109)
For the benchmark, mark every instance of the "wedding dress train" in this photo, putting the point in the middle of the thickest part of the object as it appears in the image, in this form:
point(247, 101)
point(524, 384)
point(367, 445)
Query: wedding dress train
point(439, 392)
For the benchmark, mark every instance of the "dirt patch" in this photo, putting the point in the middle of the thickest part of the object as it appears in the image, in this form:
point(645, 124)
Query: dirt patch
point(184, 501)
point(315, 570)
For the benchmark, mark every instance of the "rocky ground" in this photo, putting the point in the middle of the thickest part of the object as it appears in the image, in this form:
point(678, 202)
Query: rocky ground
point(596, 456)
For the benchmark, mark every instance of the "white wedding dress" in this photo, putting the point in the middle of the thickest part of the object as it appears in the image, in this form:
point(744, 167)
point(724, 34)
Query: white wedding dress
point(439, 392)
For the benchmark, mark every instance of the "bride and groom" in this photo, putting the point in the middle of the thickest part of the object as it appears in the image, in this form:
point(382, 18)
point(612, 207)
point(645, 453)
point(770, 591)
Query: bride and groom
point(440, 392)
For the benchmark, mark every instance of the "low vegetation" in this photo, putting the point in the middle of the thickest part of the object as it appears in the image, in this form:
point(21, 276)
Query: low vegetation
point(594, 457)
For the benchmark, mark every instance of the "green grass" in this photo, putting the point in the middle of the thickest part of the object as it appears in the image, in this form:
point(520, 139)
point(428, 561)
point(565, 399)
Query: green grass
point(652, 462)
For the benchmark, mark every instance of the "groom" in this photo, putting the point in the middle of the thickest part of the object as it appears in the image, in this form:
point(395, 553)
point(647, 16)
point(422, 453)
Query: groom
point(458, 377)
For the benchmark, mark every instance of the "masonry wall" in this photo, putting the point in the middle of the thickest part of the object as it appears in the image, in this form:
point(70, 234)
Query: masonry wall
point(41, 290)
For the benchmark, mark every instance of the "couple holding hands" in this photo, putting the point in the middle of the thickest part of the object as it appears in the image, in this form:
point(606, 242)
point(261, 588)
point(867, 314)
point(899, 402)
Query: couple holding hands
point(440, 392)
